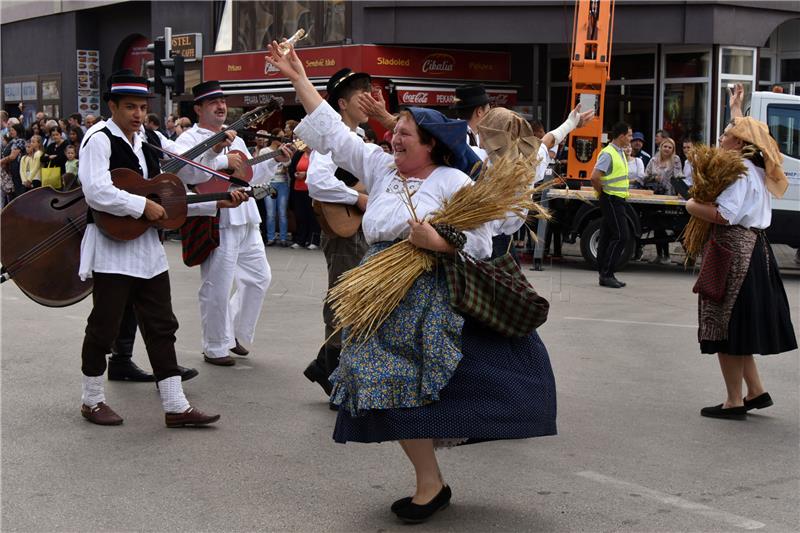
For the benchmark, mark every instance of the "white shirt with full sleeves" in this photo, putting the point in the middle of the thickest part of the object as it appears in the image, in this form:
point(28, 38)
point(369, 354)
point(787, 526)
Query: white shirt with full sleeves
point(247, 213)
point(142, 257)
point(323, 185)
point(747, 202)
point(386, 217)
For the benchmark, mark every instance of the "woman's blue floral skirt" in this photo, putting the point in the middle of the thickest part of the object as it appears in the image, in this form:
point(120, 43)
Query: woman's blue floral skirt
point(428, 373)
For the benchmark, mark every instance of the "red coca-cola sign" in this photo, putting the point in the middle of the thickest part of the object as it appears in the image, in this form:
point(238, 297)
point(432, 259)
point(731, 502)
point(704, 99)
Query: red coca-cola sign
point(414, 97)
point(444, 97)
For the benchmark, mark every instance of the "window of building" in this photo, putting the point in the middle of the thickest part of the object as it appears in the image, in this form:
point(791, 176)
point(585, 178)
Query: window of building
point(685, 96)
point(736, 65)
point(261, 22)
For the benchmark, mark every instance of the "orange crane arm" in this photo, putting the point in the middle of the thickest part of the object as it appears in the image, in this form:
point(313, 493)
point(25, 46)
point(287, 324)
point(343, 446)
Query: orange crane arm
point(589, 70)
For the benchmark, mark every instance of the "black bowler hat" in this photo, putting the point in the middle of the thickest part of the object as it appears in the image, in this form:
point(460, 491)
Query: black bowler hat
point(468, 96)
point(339, 82)
point(126, 83)
point(206, 90)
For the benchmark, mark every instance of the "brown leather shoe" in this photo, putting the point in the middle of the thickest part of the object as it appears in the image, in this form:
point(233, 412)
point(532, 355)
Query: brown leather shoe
point(220, 361)
point(190, 418)
point(101, 414)
point(239, 349)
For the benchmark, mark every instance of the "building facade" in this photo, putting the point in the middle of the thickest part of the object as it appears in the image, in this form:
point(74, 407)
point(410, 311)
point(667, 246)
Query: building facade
point(672, 61)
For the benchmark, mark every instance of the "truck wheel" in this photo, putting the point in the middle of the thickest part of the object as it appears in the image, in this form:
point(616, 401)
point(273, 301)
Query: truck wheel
point(590, 242)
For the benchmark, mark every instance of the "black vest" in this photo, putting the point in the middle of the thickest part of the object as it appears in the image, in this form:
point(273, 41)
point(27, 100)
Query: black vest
point(122, 155)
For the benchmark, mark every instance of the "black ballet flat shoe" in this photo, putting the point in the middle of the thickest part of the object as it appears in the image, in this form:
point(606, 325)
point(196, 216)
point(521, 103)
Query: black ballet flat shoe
point(731, 413)
point(315, 374)
point(416, 514)
point(399, 504)
point(759, 402)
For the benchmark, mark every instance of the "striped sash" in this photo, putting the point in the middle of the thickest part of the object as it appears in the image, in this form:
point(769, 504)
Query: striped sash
point(199, 237)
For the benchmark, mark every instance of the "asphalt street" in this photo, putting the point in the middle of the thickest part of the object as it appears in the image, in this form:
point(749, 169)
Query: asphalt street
point(632, 454)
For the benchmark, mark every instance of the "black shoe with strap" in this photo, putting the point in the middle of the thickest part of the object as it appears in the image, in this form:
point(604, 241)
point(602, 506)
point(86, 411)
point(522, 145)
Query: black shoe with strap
point(759, 402)
point(124, 369)
point(316, 374)
point(413, 513)
point(611, 282)
point(730, 413)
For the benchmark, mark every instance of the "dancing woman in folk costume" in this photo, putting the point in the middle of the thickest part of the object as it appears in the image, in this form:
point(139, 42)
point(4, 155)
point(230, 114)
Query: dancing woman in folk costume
point(753, 315)
point(427, 377)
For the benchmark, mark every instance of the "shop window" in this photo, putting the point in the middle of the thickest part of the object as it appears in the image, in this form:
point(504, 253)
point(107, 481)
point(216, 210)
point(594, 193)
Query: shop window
point(685, 110)
point(559, 69)
point(790, 69)
point(737, 61)
point(629, 103)
point(687, 65)
point(765, 69)
point(784, 125)
point(633, 67)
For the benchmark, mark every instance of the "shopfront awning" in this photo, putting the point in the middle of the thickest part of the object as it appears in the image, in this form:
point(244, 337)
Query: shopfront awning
point(253, 93)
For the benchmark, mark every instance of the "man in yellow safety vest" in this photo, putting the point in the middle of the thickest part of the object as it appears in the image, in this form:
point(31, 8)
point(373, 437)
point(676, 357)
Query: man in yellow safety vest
point(610, 180)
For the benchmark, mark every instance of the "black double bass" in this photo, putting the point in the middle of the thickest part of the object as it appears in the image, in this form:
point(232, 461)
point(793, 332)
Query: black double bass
point(41, 233)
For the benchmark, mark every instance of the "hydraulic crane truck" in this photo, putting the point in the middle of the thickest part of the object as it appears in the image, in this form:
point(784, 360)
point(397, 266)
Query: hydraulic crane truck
point(576, 208)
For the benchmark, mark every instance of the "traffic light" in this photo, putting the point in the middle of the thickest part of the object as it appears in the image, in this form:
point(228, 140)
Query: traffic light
point(167, 70)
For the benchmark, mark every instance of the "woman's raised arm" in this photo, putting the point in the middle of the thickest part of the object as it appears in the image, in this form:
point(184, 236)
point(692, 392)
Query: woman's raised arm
point(291, 67)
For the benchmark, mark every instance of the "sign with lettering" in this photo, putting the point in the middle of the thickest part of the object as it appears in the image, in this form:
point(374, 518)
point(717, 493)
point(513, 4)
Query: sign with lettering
point(189, 45)
point(445, 96)
point(385, 61)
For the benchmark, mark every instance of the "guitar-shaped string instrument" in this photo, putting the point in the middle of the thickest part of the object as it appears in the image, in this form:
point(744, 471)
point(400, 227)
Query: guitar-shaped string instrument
point(260, 113)
point(245, 173)
point(165, 189)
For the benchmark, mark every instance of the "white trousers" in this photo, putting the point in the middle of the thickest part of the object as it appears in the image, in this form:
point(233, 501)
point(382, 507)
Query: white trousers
point(240, 257)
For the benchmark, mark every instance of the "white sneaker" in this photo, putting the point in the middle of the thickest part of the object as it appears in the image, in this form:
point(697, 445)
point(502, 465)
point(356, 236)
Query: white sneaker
point(313, 247)
point(295, 246)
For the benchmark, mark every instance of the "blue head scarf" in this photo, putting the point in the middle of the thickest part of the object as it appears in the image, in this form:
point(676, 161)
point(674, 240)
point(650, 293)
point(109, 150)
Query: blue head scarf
point(450, 132)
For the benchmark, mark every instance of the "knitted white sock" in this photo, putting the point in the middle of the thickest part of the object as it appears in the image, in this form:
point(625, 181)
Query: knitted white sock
point(93, 390)
point(172, 397)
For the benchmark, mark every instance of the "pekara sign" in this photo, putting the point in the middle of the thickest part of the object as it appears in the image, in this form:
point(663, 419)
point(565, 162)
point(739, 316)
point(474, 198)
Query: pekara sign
point(443, 96)
point(380, 61)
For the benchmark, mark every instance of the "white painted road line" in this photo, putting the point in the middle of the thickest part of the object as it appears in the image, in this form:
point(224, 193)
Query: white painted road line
point(669, 499)
point(693, 326)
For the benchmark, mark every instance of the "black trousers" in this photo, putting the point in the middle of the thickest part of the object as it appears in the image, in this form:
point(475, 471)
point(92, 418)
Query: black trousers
point(341, 254)
point(123, 345)
point(308, 231)
point(152, 306)
point(613, 233)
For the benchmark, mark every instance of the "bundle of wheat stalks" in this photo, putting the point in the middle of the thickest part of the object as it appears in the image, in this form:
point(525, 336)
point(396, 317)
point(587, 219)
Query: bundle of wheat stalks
point(713, 171)
point(365, 296)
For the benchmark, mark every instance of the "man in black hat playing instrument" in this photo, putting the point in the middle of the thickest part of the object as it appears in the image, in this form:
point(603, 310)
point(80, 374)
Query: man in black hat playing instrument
point(134, 270)
point(240, 256)
point(471, 103)
point(328, 183)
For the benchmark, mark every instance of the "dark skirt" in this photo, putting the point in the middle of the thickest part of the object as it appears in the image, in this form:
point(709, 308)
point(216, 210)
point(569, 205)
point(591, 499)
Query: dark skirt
point(503, 388)
point(760, 322)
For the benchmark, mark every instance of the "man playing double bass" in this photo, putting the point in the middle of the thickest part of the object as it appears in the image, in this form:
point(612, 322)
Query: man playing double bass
point(133, 270)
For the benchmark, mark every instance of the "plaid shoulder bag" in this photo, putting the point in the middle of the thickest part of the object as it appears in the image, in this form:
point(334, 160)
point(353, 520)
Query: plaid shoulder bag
point(199, 237)
point(496, 293)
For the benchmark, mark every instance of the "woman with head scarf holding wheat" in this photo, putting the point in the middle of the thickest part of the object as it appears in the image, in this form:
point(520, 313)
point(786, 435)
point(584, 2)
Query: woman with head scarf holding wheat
point(743, 305)
point(422, 374)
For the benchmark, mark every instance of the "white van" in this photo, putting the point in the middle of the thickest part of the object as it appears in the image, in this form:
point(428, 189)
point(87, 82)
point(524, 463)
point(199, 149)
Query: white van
point(782, 113)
